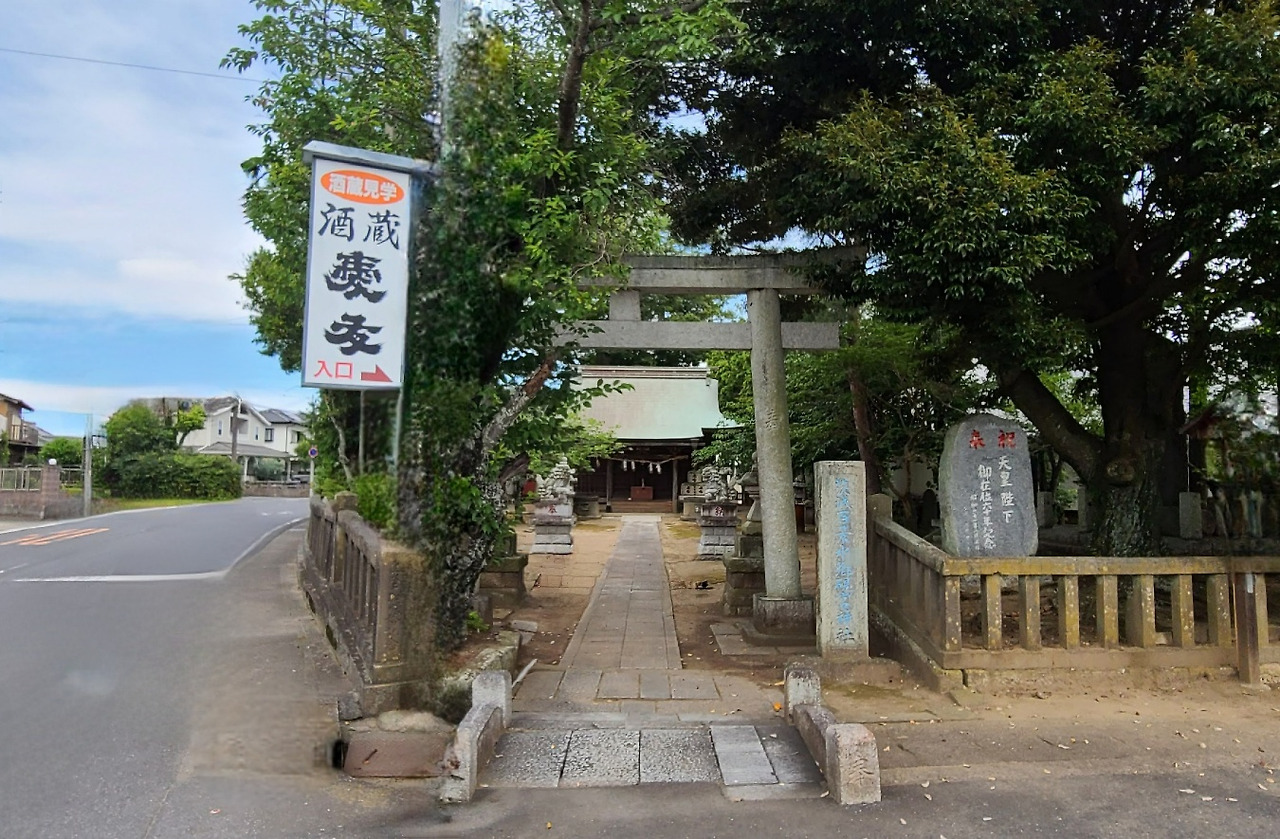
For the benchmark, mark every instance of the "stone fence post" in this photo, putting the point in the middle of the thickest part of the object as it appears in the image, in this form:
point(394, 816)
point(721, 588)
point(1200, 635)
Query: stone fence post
point(842, 558)
point(50, 489)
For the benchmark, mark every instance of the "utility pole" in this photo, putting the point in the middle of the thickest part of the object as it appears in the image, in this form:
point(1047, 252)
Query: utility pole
point(235, 425)
point(87, 469)
point(449, 35)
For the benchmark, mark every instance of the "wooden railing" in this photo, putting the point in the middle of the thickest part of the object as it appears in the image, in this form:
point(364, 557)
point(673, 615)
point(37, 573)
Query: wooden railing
point(366, 590)
point(1084, 612)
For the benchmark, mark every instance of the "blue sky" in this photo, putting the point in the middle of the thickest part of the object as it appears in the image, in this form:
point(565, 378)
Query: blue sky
point(120, 211)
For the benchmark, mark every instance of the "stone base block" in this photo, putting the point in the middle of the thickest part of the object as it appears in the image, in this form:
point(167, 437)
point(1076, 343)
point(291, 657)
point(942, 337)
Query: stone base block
point(558, 550)
point(741, 597)
point(743, 580)
point(778, 621)
point(715, 538)
point(503, 580)
point(586, 506)
point(689, 507)
point(398, 754)
point(750, 546)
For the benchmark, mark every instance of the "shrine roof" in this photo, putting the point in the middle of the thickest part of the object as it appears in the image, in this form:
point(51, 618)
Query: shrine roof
point(664, 403)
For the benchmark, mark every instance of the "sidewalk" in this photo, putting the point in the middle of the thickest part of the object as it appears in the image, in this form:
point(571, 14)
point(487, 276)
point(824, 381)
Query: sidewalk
point(11, 524)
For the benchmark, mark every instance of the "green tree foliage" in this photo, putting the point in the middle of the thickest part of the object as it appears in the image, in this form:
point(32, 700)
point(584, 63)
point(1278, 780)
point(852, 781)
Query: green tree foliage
point(136, 430)
point(68, 451)
point(187, 420)
point(143, 460)
point(548, 182)
point(1083, 186)
point(886, 398)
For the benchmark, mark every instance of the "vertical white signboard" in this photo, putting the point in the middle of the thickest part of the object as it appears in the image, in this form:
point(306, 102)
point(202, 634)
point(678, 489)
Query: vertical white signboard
point(357, 276)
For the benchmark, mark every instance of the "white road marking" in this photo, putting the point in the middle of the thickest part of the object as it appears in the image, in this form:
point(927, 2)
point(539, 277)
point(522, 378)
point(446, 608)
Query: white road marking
point(129, 578)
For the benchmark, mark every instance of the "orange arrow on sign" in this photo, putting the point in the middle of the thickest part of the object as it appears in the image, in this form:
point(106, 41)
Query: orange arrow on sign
point(376, 376)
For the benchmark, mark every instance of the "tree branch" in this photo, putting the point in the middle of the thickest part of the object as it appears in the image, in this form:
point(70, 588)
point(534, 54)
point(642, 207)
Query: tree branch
point(507, 413)
point(1075, 443)
point(661, 14)
point(570, 93)
point(569, 22)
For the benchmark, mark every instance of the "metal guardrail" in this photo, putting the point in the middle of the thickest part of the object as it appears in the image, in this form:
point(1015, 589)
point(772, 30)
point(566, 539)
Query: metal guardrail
point(72, 476)
point(1091, 613)
point(21, 478)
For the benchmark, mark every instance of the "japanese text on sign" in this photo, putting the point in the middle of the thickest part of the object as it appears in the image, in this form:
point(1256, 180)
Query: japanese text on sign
point(357, 276)
point(992, 483)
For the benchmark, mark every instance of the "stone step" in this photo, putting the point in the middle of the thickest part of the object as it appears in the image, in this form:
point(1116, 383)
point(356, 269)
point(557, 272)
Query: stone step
point(750, 762)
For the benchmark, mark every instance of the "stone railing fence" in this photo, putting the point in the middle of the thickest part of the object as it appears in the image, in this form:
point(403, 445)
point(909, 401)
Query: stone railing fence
point(276, 489)
point(973, 617)
point(371, 595)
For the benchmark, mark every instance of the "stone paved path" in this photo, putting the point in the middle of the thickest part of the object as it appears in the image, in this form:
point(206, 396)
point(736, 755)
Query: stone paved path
point(619, 709)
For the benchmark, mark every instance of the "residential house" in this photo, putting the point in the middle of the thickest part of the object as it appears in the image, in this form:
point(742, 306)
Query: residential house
point(23, 437)
point(287, 429)
point(236, 428)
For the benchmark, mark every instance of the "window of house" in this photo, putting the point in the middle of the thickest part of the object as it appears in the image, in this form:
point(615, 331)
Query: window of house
point(269, 435)
point(219, 428)
point(255, 432)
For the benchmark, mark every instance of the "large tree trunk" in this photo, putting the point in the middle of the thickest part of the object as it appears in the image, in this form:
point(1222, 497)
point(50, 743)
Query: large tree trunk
point(863, 428)
point(1139, 391)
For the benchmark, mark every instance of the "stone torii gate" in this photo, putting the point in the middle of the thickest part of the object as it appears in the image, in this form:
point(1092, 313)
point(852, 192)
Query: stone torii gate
point(783, 610)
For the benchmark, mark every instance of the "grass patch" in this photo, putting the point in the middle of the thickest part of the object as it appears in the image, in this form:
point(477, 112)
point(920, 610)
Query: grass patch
point(684, 530)
point(115, 505)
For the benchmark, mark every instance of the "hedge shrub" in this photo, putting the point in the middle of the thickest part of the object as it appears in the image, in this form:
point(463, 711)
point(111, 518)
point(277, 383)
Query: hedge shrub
point(174, 475)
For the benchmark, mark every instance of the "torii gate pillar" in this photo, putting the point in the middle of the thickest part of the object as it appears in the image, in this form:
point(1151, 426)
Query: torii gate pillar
point(783, 609)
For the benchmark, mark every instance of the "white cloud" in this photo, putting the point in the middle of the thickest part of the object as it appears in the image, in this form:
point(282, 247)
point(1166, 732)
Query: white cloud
point(121, 187)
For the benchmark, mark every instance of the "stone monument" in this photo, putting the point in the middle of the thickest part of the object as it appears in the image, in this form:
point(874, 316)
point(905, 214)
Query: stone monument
point(717, 515)
point(987, 496)
point(553, 512)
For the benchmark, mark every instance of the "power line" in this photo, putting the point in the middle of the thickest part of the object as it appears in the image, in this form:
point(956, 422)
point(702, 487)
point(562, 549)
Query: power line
point(133, 66)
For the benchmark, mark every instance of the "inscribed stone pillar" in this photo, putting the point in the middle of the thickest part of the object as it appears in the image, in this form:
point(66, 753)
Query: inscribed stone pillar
point(1190, 516)
point(1044, 509)
point(773, 445)
point(984, 478)
point(842, 558)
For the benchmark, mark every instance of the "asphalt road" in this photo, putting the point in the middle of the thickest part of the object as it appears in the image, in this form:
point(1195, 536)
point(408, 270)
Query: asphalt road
point(101, 621)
